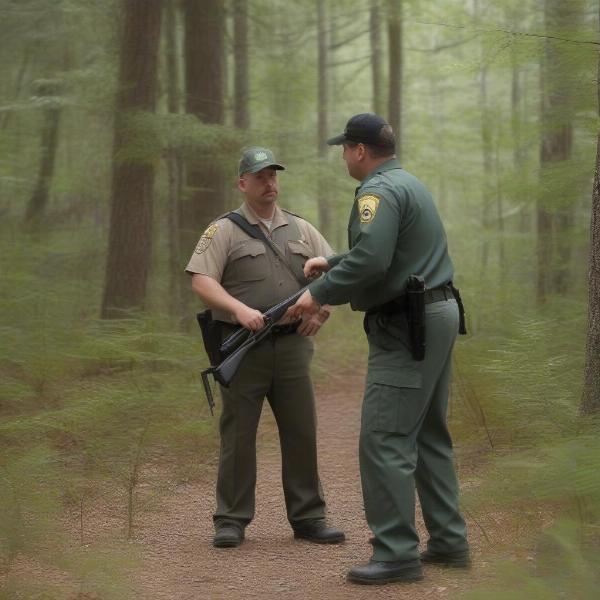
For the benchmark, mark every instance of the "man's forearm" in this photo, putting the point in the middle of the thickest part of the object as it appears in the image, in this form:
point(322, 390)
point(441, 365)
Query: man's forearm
point(213, 294)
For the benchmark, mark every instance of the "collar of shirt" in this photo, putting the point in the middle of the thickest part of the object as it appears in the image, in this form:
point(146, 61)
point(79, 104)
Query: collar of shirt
point(388, 165)
point(278, 219)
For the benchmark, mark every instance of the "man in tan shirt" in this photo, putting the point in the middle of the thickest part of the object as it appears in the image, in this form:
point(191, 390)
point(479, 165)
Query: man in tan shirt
point(239, 276)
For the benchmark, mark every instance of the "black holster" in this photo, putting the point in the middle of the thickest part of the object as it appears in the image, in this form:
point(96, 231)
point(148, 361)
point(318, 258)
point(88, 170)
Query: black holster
point(211, 336)
point(415, 290)
point(462, 326)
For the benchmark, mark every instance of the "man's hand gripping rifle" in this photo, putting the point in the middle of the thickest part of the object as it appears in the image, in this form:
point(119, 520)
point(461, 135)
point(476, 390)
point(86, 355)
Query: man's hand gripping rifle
point(226, 357)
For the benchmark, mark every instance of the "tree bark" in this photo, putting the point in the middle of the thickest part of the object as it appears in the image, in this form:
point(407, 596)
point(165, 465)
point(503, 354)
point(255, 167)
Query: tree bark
point(590, 402)
point(49, 144)
point(558, 99)
point(204, 84)
point(375, 40)
point(240, 54)
point(130, 237)
point(174, 162)
point(487, 154)
point(323, 100)
point(516, 121)
point(395, 71)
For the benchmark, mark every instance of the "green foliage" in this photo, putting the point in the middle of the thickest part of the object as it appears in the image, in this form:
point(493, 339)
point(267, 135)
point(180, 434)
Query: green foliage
point(560, 568)
point(86, 408)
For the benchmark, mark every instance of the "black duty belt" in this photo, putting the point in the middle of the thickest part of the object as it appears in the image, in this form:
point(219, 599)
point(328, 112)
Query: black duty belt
point(285, 329)
point(400, 304)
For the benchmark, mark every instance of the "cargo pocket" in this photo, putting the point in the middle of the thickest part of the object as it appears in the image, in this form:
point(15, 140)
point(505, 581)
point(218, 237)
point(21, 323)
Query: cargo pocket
point(395, 403)
point(248, 261)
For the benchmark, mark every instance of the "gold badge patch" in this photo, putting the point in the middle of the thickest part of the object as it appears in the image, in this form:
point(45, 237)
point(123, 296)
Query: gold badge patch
point(206, 239)
point(367, 207)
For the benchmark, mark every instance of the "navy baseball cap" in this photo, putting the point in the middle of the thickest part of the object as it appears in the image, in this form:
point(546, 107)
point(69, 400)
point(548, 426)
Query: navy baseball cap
point(255, 159)
point(364, 128)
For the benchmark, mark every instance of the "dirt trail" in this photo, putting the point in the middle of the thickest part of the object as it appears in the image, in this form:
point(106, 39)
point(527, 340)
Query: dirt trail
point(179, 562)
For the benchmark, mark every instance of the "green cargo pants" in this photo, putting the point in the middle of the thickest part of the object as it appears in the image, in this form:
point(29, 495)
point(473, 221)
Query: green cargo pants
point(404, 440)
point(278, 369)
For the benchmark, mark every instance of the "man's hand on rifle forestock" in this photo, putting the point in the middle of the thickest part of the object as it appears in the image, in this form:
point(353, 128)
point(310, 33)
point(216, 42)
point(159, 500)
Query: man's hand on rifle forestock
point(249, 318)
point(305, 305)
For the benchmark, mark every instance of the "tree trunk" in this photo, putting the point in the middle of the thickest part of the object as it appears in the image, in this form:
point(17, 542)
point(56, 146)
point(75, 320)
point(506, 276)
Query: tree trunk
point(500, 215)
point(395, 71)
point(49, 143)
point(240, 54)
point(590, 402)
point(375, 39)
point(174, 162)
point(487, 152)
point(488, 175)
point(204, 47)
point(558, 99)
point(322, 198)
point(25, 60)
point(516, 121)
point(130, 238)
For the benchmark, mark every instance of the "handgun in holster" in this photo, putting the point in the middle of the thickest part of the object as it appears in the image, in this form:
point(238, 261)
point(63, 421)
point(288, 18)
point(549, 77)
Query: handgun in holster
point(415, 291)
point(211, 336)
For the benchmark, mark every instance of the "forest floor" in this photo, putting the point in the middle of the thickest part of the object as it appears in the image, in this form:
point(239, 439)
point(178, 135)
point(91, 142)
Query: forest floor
point(172, 542)
point(179, 562)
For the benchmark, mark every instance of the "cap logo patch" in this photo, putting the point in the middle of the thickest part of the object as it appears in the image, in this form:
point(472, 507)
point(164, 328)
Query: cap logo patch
point(367, 207)
point(206, 239)
point(260, 156)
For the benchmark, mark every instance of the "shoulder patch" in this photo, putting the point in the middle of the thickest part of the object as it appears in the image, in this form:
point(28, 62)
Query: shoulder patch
point(367, 207)
point(206, 238)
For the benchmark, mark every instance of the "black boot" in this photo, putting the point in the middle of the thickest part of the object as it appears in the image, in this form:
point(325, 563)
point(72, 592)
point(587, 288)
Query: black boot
point(316, 530)
point(228, 534)
point(458, 560)
point(379, 572)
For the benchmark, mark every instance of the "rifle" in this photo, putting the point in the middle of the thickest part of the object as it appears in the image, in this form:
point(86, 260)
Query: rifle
point(235, 347)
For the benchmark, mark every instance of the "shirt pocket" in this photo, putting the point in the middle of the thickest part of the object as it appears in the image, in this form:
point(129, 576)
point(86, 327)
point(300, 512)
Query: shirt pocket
point(394, 402)
point(299, 253)
point(248, 261)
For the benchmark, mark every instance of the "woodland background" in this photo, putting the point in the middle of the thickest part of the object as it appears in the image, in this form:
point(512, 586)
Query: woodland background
point(121, 123)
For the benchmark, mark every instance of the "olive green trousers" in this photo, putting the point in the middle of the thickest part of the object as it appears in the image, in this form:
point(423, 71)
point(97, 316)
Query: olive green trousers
point(276, 369)
point(404, 440)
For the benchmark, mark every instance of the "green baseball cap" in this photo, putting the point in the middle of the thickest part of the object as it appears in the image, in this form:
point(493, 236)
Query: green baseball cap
point(256, 158)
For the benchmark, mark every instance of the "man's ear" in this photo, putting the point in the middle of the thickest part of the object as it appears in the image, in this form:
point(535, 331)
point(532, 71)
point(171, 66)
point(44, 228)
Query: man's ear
point(362, 151)
point(242, 184)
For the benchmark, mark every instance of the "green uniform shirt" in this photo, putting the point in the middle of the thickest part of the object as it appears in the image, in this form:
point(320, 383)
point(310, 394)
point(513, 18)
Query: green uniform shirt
point(394, 232)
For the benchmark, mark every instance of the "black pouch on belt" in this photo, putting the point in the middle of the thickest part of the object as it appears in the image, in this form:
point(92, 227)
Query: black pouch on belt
point(211, 336)
point(415, 290)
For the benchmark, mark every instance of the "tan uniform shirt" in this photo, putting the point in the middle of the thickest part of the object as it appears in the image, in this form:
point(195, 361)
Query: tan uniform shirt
point(250, 271)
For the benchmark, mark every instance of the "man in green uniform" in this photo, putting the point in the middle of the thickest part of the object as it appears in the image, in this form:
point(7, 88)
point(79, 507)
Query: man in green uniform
point(395, 232)
point(239, 275)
